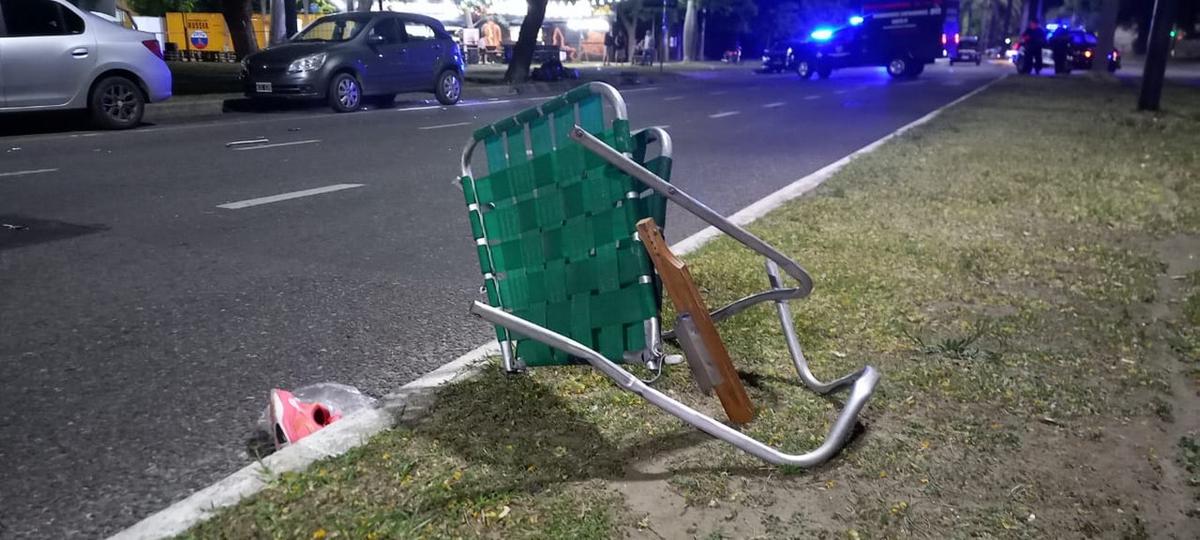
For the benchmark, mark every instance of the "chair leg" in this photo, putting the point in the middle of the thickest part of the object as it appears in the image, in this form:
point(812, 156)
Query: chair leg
point(793, 343)
point(860, 392)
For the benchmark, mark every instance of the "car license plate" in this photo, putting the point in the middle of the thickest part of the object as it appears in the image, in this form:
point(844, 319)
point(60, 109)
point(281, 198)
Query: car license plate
point(263, 87)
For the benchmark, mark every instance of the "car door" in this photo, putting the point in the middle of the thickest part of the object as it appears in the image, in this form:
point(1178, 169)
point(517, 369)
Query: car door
point(387, 57)
point(48, 55)
point(424, 47)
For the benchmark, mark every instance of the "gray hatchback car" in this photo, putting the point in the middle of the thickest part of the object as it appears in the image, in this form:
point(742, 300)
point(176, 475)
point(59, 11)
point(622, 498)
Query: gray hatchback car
point(349, 58)
point(55, 56)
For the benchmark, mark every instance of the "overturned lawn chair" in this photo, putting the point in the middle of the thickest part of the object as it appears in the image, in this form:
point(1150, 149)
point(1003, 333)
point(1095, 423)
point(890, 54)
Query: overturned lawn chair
point(566, 226)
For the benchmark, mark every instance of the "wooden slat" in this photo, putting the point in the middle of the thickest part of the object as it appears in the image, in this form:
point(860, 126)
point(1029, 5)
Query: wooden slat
point(686, 298)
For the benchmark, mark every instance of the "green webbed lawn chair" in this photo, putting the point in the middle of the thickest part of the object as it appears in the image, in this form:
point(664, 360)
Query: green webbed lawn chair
point(566, 277)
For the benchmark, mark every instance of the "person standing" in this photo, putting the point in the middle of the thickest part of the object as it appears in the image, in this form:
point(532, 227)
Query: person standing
point(609, 43)
point(1034, 39)
point(1060, 42)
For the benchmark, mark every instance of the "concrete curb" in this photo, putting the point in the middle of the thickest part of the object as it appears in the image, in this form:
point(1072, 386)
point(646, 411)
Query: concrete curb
point(409, 402)
point(194, 106)
point(413, 400)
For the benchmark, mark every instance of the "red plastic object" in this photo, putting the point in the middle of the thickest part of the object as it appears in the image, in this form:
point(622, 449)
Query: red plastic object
point(294, 419)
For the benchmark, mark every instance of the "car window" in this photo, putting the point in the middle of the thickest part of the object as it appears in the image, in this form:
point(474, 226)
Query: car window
point(24, 18)
point(389, 30)
point(331, 29)
point(418, 31)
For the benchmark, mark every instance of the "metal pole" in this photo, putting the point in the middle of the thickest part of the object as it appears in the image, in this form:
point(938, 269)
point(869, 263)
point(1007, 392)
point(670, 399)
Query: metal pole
point(1156, 55)
point(662, 56)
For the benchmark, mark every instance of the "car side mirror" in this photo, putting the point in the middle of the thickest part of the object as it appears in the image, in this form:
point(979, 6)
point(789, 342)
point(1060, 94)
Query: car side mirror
point(376, 39)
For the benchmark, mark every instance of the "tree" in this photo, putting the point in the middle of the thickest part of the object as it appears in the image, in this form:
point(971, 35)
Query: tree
point(241, 31)
point(522, 56)
point(689, 32)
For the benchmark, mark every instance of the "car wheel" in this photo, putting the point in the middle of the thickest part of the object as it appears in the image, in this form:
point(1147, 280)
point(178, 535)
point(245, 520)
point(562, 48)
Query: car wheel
point(898, 67)
point(117, 103)
point(824, 72)
point(345, 93)
point(978, 61)
point(804, 69)
point(449, 87)
point(915, 69)
point(952, 61)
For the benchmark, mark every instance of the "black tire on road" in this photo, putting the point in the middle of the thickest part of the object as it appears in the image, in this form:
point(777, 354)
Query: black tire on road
point(345, 93)
point(899, 67)
point(978, 61)
point(824, 72)
point(915, 69)
point(449, 87)
point(116, 103)
point(804, 69)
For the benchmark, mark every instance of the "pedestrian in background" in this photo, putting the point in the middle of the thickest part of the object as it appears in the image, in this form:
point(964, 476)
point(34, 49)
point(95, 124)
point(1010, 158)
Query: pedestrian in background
point(1033, 39)
point(609, 43)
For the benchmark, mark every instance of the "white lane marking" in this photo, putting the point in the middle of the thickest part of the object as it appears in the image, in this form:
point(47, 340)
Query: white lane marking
point(814, 96)
point(440, 126)
point(23, 173)
point(724, 114)
point(773, 105)
point(718, 93)
point(286, 196)
point(277, 145)
point(839, 92)
point(673, 98)
point(259, 140)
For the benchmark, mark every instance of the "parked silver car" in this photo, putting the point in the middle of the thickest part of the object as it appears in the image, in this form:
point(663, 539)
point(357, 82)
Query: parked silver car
point(55, 56)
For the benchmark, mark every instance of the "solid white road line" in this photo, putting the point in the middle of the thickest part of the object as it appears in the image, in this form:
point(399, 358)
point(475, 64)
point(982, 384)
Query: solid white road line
point(814, 96)
point(286, 196)
point(718, 93)
point(773, 105)
point(724, 114)
point(23, 173)
point(839, 92)
point(673, 98)
point(356, 429)
point(276, 145)
point(440, 126)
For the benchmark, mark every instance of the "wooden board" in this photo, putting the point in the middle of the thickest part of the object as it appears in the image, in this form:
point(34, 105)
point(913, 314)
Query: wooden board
point(686, 298)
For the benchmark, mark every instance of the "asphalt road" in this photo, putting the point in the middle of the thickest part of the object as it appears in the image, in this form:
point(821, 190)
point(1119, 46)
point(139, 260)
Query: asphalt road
point(143, 324)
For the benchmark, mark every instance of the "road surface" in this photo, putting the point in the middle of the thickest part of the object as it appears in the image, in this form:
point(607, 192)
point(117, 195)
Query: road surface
point(166, 282)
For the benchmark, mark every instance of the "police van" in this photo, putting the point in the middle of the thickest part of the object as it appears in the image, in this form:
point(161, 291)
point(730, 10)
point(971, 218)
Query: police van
point(900, 35)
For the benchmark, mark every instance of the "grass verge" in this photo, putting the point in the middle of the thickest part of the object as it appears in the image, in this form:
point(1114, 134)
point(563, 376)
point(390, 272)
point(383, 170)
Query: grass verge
point(1006, 266)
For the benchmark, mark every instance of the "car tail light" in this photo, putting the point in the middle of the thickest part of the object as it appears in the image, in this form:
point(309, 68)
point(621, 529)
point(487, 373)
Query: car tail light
point(152, 44)
point(943, 39)
point(1087, 54)
point(956, 39)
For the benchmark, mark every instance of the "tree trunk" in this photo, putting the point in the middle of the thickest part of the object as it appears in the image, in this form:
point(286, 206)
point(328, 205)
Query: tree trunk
point(241, 31)
point(1106, 30)
point(278, 26)
point(522, 56)
point(689, 32)
point(631, 41)
point(1008, 19)
point(289, 13)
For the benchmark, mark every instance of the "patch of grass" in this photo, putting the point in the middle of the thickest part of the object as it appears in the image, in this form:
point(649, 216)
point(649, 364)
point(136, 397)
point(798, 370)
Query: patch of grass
point(1018, 275)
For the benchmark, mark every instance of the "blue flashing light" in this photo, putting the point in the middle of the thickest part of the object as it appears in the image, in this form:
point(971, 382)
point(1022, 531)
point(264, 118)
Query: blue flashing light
point(856, 20)
point(1050, 27)
point(822, 34)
